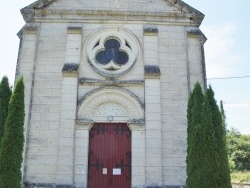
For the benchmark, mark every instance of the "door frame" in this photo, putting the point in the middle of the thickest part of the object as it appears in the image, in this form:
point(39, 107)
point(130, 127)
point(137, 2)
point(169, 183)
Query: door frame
point(81, 148)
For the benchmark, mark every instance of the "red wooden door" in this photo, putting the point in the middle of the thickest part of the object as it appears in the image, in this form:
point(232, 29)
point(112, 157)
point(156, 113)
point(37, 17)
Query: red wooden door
point(109, 163)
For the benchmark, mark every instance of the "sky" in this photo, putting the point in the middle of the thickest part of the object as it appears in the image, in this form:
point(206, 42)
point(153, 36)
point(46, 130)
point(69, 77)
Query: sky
point(226, 25)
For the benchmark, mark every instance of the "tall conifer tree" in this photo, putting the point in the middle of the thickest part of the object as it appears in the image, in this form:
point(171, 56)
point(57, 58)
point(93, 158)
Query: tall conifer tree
point(12, 142)
point(209, 169)
point(5, 94)
point(223, 178)
point(195, 132)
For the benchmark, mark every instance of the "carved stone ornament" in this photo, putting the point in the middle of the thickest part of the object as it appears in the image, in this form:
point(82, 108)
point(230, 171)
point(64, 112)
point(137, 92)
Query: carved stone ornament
point(112, 51)
point(103, 103)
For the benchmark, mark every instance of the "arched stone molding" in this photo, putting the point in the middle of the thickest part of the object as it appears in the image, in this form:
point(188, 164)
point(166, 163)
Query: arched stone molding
point(128, 44)
point(110, 104)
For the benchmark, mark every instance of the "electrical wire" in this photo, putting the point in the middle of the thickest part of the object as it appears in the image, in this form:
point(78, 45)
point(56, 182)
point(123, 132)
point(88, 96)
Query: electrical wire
point(227, 78)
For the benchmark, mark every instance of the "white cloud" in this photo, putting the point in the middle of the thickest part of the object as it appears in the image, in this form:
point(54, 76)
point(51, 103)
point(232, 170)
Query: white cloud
point(219, 49)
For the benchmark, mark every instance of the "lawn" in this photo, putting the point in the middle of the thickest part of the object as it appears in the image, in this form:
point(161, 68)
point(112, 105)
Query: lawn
point(240, 176)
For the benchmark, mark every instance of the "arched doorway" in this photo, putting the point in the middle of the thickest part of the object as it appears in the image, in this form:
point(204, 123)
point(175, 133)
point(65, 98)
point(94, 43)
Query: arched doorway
point(115, 116)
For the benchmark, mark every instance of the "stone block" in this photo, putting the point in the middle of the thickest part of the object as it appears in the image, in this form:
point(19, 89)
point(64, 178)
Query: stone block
point(153, 143)
point(46, 169)
point(153, 162)
point(151, 116)
point(138, 162)
point(66, 142)
point(138, 181)
point(138, 152)
point(139, 143)
point(62, 160)
point(180, 161)
point(154, 134)
point(65, 150)
point(138, 171)
point(63, 179)
point(66, 133)
point(154, 176)
point(168, 162)
point(153, 124)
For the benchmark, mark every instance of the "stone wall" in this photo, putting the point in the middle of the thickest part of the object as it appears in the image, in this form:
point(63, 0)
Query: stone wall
point(168, 63)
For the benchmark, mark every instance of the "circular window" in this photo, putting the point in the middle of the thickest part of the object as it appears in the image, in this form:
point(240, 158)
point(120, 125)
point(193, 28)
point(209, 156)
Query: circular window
point(112, 52)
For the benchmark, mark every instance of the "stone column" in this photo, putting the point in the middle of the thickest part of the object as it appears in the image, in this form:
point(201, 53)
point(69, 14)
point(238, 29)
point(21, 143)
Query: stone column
point(152, 108)
point(65, 161)
point(25, 67)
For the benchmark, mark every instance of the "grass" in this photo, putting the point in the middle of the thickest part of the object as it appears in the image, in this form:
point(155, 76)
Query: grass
point(240, 176)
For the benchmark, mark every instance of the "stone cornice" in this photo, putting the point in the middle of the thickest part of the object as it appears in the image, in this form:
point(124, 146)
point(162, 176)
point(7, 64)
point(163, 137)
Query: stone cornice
point(190, 18)
point(195, 32)
point(183, 8)
point(39, 4)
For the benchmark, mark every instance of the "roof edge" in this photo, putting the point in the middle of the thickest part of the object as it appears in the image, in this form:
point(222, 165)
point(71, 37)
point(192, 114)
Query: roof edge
point(196, 15)
point(184, 7)
point(38, 4)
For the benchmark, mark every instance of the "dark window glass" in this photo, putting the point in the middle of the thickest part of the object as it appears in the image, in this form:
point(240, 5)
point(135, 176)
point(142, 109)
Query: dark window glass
point(112, 52)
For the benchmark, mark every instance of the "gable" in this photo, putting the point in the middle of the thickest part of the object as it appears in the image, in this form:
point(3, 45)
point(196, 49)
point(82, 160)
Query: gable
point(151, 7)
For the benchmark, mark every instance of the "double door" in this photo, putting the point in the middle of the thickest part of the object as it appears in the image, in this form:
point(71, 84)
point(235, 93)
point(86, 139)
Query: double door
point(109, 162)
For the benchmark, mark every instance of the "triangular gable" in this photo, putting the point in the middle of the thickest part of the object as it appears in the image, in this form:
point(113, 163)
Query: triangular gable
point(159, 6)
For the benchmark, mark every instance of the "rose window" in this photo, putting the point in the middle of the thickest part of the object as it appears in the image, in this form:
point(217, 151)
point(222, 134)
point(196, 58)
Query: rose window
point(112, 52)
point(112, 57)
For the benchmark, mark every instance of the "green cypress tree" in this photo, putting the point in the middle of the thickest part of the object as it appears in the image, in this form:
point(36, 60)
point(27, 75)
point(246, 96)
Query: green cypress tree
point(209, 169)
point(5, 94)
point(223, 177)
point(13, 140)
point(194, 131)
point(223, 117)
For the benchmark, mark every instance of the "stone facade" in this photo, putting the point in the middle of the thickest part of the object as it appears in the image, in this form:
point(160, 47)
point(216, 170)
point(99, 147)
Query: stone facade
point(67, 90)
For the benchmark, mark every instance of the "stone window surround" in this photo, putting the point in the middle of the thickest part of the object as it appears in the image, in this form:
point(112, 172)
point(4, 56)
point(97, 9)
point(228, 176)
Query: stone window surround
point(100, 36)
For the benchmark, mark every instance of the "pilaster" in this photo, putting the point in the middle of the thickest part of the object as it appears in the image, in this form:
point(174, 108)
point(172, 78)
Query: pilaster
point(196, 57)
point(65, 162)
point(152, 108)
point(25, 67)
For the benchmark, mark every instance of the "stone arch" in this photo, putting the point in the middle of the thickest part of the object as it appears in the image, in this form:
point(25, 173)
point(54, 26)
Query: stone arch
point(110, 104)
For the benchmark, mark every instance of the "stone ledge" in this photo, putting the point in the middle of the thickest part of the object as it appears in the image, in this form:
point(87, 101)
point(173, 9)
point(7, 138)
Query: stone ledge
point(152, 71)
point(28, 29)
point(74, 30)
point(195, 32)
point(110, 81)
point(70, 70)
point(150, 30)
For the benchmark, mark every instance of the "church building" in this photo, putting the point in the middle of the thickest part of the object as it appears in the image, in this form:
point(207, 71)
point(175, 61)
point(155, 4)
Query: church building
point(106, 89)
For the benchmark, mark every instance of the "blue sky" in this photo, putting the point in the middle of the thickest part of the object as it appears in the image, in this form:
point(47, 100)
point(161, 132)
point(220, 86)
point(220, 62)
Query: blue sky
point(226, 26)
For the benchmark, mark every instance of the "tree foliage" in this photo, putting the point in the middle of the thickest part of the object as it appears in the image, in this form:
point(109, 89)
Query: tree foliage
point(5, 94)
point(207, 162)
point(239, 150)
point(218, 118)
point(12, 142)
point(195, 134)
